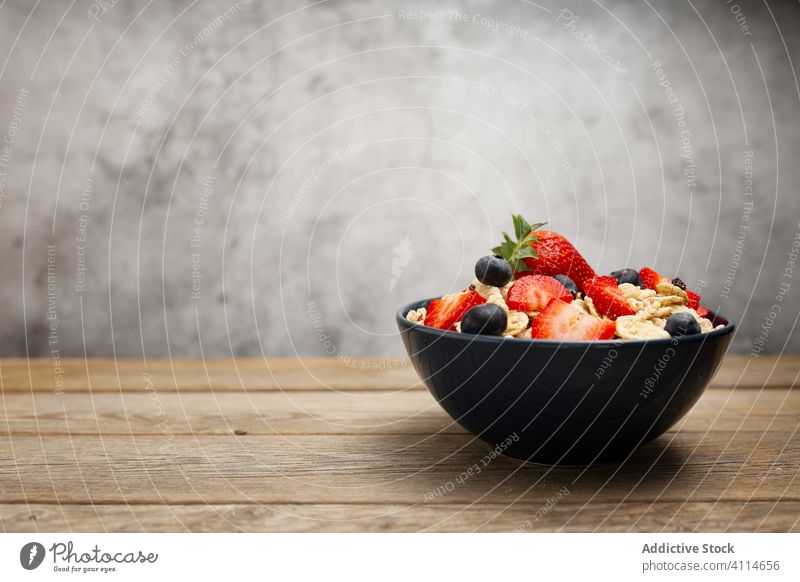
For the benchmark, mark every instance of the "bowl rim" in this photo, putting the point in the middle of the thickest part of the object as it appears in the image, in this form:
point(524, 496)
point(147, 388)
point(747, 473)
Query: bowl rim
point(400, 315)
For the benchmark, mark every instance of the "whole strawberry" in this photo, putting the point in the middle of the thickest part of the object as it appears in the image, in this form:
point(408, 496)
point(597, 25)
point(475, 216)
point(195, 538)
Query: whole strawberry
point(542, 252)
point(555, 255)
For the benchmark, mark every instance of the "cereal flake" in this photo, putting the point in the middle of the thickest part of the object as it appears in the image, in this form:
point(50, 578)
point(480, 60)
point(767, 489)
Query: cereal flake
point(417, 315)
point(630, 291)
point(670, 289)
point(495, 295)
point(633, 327)
point(517, 323)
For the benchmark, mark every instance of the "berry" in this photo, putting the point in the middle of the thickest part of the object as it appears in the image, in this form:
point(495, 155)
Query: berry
point(566, 321)
point(443, 313)
point(568, 283)
point(693, 299)
point(486, 319)
point(627, 276)
point(678, 282)
point(682, 323)
point(651, 279)
point(493, 270)
point(607, 297)
point(534, 292)
point(555, 255)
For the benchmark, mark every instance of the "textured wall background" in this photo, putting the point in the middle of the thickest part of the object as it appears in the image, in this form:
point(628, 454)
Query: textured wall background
point(217, 178)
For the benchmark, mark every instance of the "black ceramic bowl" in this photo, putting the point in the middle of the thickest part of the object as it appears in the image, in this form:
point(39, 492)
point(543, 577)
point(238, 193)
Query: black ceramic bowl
point(570, 403)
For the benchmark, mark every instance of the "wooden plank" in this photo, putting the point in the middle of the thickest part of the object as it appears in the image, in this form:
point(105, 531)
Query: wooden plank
point(203, 375)
point(736, 516)
point(764, 371)
point(324, 412)
point(384, 469)
point(744, 409)
point(253, 375)
point(260, 413)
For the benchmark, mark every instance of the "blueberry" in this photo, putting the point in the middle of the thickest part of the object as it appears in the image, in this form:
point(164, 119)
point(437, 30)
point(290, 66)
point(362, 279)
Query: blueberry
point(493, 270)
point(682, 323)
point(627, 276)
point(486, 319)
point(568, 283)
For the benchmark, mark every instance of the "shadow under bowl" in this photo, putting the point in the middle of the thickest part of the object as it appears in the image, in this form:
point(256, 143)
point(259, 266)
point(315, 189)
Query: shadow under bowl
point(564, 403)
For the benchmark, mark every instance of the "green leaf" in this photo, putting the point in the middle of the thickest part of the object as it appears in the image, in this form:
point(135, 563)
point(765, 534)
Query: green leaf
point(521, 267)
point(514, 251)
point(521, 227)
point(537, 226)
point(526, 252)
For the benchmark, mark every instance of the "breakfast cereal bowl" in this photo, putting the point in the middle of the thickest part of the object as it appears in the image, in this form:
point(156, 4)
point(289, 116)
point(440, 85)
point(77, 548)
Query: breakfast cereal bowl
point(564, 402)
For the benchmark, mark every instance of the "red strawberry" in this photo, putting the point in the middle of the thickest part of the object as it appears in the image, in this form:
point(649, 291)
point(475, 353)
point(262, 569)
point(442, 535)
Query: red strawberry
point(534, 292)
point(567, 321)
point(607, 297)
point(651, 279)
point(557, 256)
point(443, 313)
point(694, 303)
point(694, 299)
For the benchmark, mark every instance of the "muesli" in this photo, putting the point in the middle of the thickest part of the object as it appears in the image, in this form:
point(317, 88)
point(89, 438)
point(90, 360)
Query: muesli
point(536, 285)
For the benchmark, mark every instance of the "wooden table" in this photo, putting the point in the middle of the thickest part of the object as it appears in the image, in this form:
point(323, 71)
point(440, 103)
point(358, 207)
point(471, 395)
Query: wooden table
point(322, 445)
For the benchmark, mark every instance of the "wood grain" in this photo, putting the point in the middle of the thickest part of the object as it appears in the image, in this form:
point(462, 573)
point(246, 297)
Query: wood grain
point(325, 412)
point(325, 445)
point(253, 375)
point(756, 516)
point(382, 469)
point(239, 375)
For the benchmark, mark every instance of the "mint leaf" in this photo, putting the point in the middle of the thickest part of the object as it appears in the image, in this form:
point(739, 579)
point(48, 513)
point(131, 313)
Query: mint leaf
point(521, 227)
point(514, 251)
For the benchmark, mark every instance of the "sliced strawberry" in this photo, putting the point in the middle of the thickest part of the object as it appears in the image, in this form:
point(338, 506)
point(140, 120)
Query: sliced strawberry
point(651, 279)
point(694, 299)
point(443, 313)
point(557, 256)
point(567, 321)
point(694, 303)
point(534, 292)
point(607, 297)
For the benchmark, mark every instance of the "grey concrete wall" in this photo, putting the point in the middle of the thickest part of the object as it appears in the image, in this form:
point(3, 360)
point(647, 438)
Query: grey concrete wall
point(217, 178)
